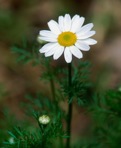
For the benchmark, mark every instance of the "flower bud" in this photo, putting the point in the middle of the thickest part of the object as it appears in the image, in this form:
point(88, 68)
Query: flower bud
point(11, 140)
point(44, 119)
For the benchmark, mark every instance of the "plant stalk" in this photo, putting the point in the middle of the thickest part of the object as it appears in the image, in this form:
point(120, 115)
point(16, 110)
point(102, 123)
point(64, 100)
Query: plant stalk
point(70, 106)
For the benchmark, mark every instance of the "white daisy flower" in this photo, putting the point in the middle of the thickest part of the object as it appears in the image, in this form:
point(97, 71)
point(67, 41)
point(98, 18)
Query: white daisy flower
point(68, 36)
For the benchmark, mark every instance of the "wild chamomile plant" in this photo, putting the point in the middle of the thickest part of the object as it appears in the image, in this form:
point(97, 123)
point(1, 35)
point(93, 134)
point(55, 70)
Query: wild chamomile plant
point(48, 130)
point(70, 37)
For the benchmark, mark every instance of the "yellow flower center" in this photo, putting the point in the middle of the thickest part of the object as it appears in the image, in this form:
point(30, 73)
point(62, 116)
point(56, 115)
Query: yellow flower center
point(67, 38)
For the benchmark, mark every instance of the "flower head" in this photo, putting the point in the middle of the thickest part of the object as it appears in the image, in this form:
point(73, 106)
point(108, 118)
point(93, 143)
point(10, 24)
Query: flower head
point(44, 119)
point(68, 36)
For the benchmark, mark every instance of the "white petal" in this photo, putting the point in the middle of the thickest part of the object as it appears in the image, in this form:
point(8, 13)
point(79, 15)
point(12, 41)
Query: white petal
point(47, 47)
point(68, 55)
point(47, 33)
point(90, 41)
point(54, 27)
point(61, 23)
point(86, 28)
point(67, 22)
point(47, 39)
point(81, 45)
point(76, 52)
point(77, 22)
point(82, 19)
point(75, 17)
point(58, 52)
point(86, 35)
point(52, 51)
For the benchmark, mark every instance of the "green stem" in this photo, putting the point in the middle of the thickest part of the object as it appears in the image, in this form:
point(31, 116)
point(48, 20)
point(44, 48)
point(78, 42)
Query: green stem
point(52, 85)
point(42, 130)
point(52, 88)
point(70, 107)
